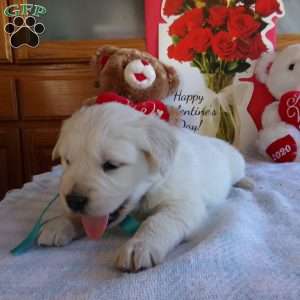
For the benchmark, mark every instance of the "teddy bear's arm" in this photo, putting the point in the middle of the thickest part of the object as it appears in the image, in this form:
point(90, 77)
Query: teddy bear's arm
point(271, 116)
point(90, 101)
point(175, 116)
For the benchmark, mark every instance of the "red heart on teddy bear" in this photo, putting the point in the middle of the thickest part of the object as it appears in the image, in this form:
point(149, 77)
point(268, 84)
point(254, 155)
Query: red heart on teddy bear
point(289, 108)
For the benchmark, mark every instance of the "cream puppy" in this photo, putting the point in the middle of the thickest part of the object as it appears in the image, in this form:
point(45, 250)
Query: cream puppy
point(117, 160)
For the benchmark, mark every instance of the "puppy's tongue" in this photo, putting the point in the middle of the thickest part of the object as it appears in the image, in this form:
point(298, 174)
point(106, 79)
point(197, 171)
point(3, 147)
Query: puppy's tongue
point(94, 226)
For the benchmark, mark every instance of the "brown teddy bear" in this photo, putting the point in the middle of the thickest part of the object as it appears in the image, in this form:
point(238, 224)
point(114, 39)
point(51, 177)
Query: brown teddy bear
point(134, 75)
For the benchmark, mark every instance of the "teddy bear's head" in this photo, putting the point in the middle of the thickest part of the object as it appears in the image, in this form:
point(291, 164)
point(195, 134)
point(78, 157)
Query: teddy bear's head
point(280, 71)
point(133, 74)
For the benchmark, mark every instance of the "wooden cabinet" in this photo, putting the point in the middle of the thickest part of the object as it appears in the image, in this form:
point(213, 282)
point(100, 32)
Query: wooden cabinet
point(10, 160)
point(8, 100)
point(5, 49)
point(41, 86)
point(37, 146)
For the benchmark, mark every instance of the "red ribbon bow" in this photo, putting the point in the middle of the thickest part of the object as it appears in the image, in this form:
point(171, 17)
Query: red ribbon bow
point(149, 107)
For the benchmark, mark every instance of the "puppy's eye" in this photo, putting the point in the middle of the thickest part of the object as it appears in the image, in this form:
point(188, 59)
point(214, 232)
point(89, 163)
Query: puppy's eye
point(291, 67)
point(109, 166)
point(67, 162)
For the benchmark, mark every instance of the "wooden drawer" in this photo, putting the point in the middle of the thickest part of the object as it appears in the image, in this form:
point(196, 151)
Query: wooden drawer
point(10, 160)
point(48, 99)
point(8, 101)
point(54, 92)
point(38, 144)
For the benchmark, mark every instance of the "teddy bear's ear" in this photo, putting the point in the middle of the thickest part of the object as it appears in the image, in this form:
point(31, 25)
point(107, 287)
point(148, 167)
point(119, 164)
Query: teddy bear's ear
point(264, 65)
point(172, 78)
point(102, 56)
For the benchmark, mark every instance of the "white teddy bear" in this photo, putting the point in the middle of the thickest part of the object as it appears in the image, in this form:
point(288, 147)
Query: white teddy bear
point(279, 139)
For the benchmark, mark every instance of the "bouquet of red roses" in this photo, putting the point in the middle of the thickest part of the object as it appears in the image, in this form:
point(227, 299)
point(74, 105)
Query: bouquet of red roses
point(219, 37)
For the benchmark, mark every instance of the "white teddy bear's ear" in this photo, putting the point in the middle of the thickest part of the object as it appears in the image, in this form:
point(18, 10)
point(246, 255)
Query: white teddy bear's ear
point(264, 65)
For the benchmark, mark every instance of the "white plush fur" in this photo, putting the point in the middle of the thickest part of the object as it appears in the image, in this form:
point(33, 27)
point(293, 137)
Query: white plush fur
point(273, 70)
point(271, 115)
point(171, 174)
point(263, 66)
point(281, 80)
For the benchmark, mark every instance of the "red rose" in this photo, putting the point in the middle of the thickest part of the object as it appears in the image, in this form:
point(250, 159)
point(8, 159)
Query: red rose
point(238, 10)
point(218, 16)
point(190, 20)
point(199, 39)
point(243, 25)
point(267, 7)
point(243, 48)
point(178, 28)
point(183, 51)
point(224, 46)
point(194, 18)
point(173, 7)
point(251, 48)
point(257, 47)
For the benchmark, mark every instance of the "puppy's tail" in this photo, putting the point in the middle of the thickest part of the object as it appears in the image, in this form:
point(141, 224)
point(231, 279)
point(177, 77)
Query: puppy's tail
point(246, 183)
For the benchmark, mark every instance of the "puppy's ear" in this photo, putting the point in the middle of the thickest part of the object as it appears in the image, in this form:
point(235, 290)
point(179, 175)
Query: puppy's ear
point(55, 152)
point(159, 143)
point(56, 149)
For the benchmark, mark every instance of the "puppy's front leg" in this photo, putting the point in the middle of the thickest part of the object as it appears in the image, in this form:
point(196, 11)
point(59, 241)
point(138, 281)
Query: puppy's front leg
point(61, 231)
point(154, 239)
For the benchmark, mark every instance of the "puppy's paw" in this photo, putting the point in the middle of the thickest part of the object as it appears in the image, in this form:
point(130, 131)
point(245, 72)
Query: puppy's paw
point(58, 232)
point(246, 183)
point(137, 255)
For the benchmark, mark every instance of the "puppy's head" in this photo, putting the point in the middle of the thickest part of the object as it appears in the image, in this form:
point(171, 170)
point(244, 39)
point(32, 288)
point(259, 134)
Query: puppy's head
point(111, 155)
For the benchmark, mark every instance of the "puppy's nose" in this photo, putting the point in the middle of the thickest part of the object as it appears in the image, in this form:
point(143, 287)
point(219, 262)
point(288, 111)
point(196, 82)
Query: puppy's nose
point(76, 202)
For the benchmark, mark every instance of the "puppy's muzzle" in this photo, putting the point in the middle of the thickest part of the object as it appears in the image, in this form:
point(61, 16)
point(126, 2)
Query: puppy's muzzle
point(76, 202)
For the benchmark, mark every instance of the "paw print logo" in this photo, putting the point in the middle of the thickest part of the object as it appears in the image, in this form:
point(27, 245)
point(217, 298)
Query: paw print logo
point(24, 31)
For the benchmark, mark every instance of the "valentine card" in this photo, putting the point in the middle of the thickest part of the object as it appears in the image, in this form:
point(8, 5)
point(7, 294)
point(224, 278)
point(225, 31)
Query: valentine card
point(214, 45)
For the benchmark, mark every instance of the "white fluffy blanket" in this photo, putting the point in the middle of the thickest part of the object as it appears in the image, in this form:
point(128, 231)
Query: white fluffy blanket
point(250, 250)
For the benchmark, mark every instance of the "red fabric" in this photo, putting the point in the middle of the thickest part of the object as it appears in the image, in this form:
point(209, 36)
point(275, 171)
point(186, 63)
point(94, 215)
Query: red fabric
point(261, 97)
point(272, 33)
point(289, 108)
point(283, 150)
point(267, 7)
point(149, 107)
point(152, 19)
